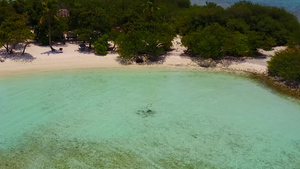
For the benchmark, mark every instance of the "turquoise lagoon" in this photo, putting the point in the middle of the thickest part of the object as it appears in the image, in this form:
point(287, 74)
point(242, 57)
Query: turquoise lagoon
point(145, 118)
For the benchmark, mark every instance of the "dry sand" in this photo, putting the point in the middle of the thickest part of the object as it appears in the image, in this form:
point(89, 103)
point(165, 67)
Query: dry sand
point(38, 59)
point(256, 65)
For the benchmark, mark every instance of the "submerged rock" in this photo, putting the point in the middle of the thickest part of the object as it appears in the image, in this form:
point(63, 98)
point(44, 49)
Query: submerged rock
point(146, 113)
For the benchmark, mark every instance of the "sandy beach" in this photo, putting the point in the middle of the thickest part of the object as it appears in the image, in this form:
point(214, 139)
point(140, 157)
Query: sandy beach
point(40, 59)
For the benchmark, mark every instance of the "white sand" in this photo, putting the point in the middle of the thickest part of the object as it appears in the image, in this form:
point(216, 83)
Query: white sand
point(256, 65)
point(39, 59)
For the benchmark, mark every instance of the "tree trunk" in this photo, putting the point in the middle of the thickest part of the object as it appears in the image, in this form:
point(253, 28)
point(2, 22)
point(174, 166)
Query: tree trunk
point(27, 43)
point(90, 45)
point(49, 36)
point(6, 47)
point(113, 48)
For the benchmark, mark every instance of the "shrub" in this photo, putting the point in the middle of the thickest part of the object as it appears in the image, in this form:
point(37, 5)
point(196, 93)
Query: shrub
point(286, 64)
point(236, 44)
point(206, 43)
point(139, 43)
point(150, 39)
point(101, 45)
point(41, 34)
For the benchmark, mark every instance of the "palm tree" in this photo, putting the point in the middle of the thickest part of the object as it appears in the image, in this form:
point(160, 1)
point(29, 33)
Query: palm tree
point(50, 9)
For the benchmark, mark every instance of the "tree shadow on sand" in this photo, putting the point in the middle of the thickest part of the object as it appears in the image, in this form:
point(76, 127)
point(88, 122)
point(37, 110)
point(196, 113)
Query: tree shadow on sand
point(141, 60)
point(85, 51)
point(17, 56)
point(51, 52)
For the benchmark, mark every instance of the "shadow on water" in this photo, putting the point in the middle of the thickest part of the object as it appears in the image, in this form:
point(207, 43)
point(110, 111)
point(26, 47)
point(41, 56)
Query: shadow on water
point(146, 111)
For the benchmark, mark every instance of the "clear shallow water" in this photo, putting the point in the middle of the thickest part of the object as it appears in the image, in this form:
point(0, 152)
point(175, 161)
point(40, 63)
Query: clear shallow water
point(292, 6)
point(145, 119)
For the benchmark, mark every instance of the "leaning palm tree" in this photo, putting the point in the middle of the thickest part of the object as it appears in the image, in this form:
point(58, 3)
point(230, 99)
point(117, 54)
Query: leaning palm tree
point(50, 9)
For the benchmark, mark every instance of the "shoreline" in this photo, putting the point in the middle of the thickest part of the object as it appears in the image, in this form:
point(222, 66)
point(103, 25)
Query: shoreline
point(41, 59)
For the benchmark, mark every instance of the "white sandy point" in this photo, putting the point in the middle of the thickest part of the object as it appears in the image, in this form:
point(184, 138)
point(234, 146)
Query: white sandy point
point(256, 65)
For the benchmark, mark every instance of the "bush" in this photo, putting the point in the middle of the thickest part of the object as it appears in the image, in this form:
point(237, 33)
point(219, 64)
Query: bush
point(286, 64)
point(206, 43)
point(41, 32)
point(151, 39)
point(139, 43)
point(274, 22)
point(236, 44)
point(101, 45)
point(259, 40)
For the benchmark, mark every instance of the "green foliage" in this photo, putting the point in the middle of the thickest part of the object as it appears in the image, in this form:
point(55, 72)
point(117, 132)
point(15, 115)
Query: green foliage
point(14, 30)
point(286, 64)
point(247, 26)
point(259, 40)
point(238, 25)
point(113, 35)
point(196, 17)
point(34, 11)
point(57, 29)
point(149, 34)
point(207, 43)
point(49, 16)
point(89, 21)
point(236, 44)
point(89, 16)
point(148, 26)
point(139, 43)
point(49, 11)
point(87, 34)
point(273, 22)
point(41, 32)
point(127, 45)
point(183, 3)
point(151, 39)
point(101, 45)
point(6, 10)
point(294, 39)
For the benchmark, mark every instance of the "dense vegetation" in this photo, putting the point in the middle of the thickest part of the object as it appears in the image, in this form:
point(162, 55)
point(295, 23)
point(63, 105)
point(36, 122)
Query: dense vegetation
point(147, 27)
point(286, 64)
point(211, 31)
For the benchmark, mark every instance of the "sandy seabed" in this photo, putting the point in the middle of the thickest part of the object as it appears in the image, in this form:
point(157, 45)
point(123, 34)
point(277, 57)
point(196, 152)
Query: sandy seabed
point(47, 148)
point(40, 59)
